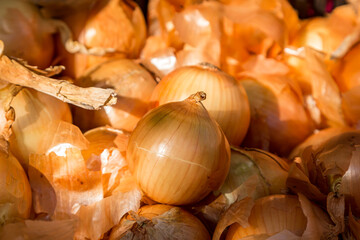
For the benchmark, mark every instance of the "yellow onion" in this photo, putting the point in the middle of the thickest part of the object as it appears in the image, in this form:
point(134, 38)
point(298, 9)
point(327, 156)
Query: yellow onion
point(160, 222)
point(351, 106)
point(346, 73)
point(279, 120)
point(15, 191)
point(283, 217)
point(253, 172)
point(34, 112)
point(116, 24)
point(271, 169)
point(227, 102)
point(133, 85)
point(25, 33)
point(178, 153)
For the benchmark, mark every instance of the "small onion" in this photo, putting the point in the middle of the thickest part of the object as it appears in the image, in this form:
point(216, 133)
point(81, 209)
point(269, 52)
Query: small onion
point(34, 111)
point(227, 102)
point(160, 222)
point(117, 24)
point(15, 191)
point(347, 72)
point(178, 153)
point(133, 85)
point(279, 120)
point(25, 33)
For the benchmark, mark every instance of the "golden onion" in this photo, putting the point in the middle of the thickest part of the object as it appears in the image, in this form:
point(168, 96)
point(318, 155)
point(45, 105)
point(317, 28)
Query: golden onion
point(227, 102)
point(34, 112)
point(116, 24)
point(279, 120)
point(178, 153)
point(160, 222)
point(133, 85)
point(26, 33)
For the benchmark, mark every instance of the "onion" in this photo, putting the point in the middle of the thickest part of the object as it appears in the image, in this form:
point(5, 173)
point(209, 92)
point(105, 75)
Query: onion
point(133, 85)
point(279, 120)
point(117, 24)
point(181, 138)
point(15, 191)
point(253, 173)
point(283, 217)
point(347, 73)
point(227, 102)
point(160, 222)
point(25, 33)
point(331, 167)
point(34, 111)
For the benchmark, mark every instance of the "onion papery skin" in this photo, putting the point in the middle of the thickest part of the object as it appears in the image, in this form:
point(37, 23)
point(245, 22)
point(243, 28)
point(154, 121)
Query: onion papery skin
point(34, 111)
point(117, 24)
point(336, 162)
point(347, 72)
point(161, 222)
point(25, 33)
point(15, 191)
point(279, 120)
point(133, 85)
point(270, 215)
point(227, 101)
point(178, 153)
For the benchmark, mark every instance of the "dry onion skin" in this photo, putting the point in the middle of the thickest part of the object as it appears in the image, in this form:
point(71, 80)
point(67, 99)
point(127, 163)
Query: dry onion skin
point(34, 112)
point(160, 222)
point(25, 33)
point(15, 191)
point(279, 120)
point(330, 169)
point(227, 102)
point(283, 217)
point(178, 153)
point(116, 24)
point(133, 86)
